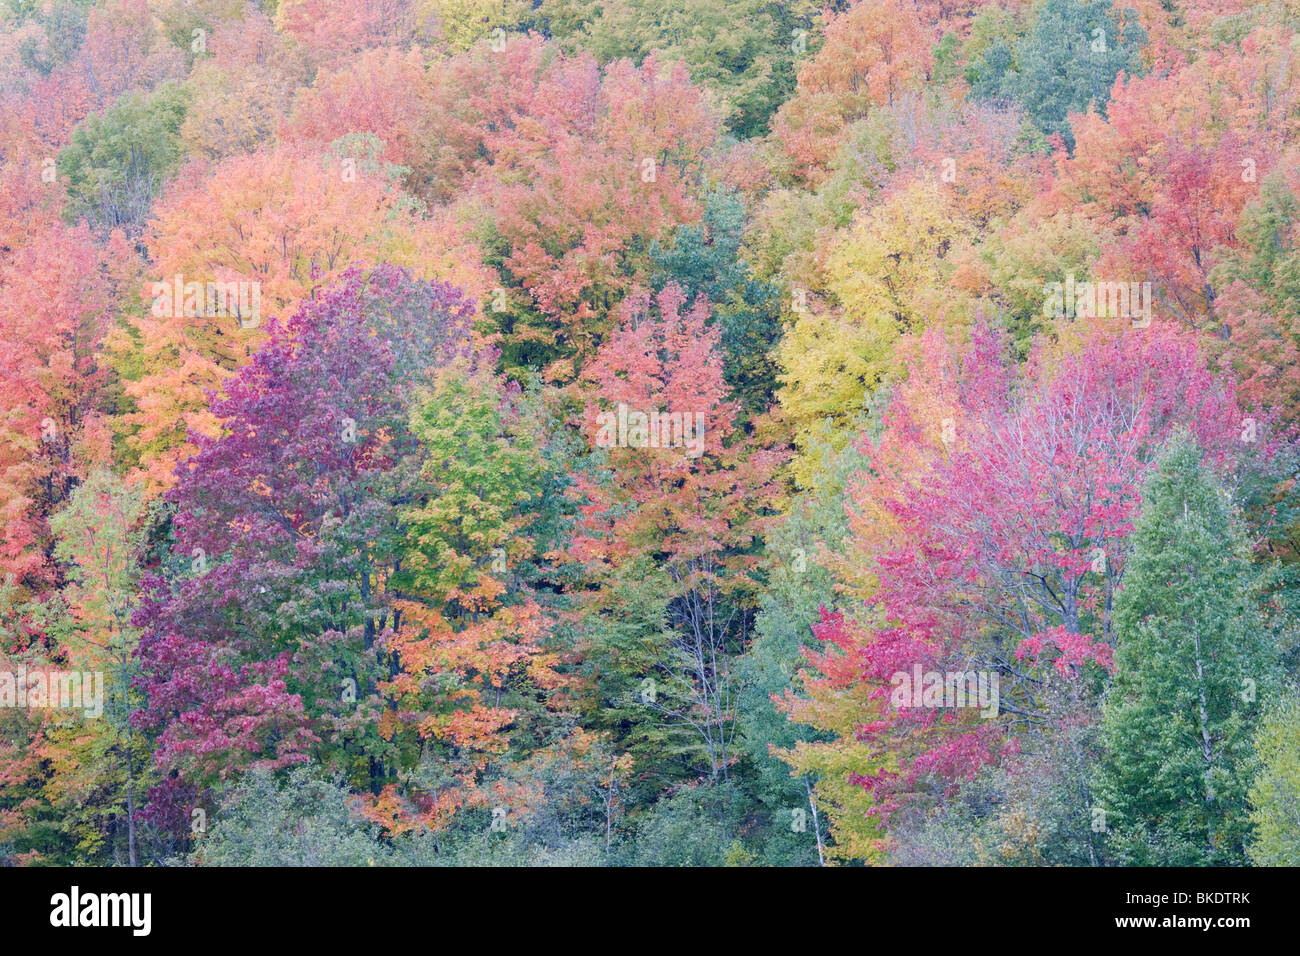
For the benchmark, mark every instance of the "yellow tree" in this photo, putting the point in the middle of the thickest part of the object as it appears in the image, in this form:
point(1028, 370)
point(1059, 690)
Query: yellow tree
point(889, 274)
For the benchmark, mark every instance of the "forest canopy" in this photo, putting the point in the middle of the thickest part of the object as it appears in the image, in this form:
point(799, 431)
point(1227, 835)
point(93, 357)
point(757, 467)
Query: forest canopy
point(671, 432)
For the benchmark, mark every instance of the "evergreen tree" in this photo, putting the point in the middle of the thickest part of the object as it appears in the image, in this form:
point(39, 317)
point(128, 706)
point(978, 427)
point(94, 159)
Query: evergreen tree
point(1066, 63)
point(1193, 663)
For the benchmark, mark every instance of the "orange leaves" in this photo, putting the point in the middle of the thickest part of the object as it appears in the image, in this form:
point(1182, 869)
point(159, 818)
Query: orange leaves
point(286, 221)
point(385, 92)
point(334, 30)
point(874, 53)
point(397, 812)
point(243, 90)
point(478, 728)
point(477, 648)
point(587, 169)
point(453, 676)
point(53, 316)
point(1178, 156)
point(389, 723)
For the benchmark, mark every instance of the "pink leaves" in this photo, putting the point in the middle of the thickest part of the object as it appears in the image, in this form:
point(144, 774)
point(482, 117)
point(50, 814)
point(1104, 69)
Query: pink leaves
point(994, 543)
point(1074, 650)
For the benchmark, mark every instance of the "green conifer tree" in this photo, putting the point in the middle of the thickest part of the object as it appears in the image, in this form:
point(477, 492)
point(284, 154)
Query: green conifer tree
point(1194, 664)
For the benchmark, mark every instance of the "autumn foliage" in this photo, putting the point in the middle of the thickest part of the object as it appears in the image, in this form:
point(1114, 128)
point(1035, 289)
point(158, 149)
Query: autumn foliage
point(467, 432)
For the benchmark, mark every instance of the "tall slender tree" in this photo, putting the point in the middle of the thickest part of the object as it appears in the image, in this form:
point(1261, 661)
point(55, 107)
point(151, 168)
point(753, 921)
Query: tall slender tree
point(1194, 664)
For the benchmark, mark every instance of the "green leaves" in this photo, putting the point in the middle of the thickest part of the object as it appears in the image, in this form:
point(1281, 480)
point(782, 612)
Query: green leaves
point(117, 161)
point(1193, 664)
point(1065, 63)
point(1275, 794)
point(482, 466)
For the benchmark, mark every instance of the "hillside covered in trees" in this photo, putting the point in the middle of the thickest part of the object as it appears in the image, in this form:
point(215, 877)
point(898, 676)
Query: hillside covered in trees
point(664, 432)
